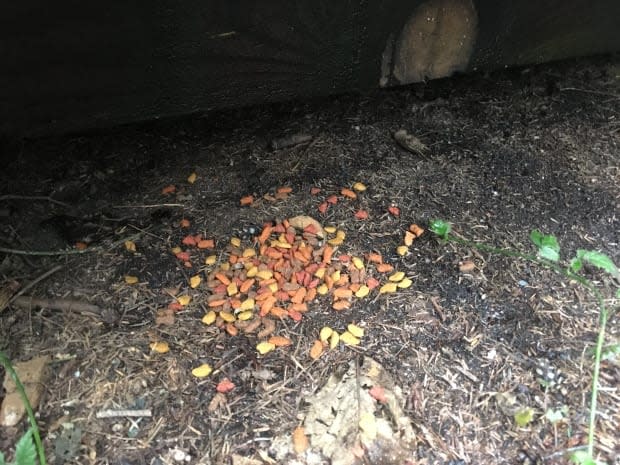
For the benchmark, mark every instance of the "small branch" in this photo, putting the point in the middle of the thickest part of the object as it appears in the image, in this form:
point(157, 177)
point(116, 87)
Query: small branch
point(159, 205)
point(57, 304)
point(34, 197)
point(31, 284)
point(123, 413)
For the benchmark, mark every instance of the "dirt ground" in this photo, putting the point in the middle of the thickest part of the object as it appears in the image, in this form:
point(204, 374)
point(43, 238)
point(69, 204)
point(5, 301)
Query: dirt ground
point(475, 338)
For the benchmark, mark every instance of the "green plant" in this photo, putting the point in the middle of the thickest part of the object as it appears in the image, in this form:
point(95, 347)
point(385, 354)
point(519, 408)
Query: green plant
point(549, 256)
point(25, 450)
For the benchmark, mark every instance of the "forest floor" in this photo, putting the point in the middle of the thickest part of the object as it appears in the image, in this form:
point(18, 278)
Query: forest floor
point(445, 361)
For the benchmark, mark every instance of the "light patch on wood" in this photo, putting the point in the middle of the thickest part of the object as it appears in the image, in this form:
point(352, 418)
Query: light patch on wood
point(436, 41)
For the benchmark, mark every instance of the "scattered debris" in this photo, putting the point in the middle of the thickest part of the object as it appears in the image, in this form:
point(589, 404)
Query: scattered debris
point(410, 142)
point(32, 374)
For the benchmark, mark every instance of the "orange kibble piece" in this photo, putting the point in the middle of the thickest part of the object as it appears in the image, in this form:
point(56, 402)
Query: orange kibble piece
point(301, 307)
point(327, 254)
point(409, 237)
point(332, 199)
point(284, 190)
point(342, 293)
point(217, 303)
point(315, 190)
point(171, 189)
point(246, 285)
point(361, 215)
point(341, 304)
point(348, 193)
point(221, 277)
point(231, 329)
point(184, 223)
point(316, 350)
point(278, 312)
point(206, 244)
point(246, 200)
point(280, 341)
point(323, 207)
point(417, 230)
point(375, 257)
point(384, 268)
point(372, 283)
point(310, 295)
point(299, 295)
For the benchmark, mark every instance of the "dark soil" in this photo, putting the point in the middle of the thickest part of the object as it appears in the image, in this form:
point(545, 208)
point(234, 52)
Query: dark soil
point(508, 152)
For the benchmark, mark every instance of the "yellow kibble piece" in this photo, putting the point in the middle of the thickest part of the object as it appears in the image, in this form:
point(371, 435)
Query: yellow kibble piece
point(405, 283)
point(325, 333)
point(131, 279)
point(210, 260)
point(402, 250)
point(273, 287)
point(247, 315)
point(396, 277)
point(334, 339)
point(235, 242)
point(263, 274)
point(388, 288)
point(362, 291)
point(341, 234)
point(335, 241)
point(265, 347)
point(192, 178)
point(194, 281)
point(227, 317)
point(349, 339)
point(184, 300)
point(281, 244)
point(359, 187)
point(252, 272)
point(130, 246)
point(336, 275)
point(330, 229)
point(355, 330)
point(358, 263)
point(176, 250)
point(202, 371)
point(249, 252)
point(322, 289)
point(160, 347)
point(319, 273)
point(232, 289)
point(225, 266)
point(247, 304)
point(209, 317)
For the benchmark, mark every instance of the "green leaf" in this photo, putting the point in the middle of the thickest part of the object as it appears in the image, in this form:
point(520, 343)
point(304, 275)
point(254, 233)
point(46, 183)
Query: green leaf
point(548, 246)
point(599, 260)
point(611, 352)
point(575, 265)
point(536, 237)
point(440, 227)
point(25, 451)
point(554, 416)
point(581, 457)
point(524, 416)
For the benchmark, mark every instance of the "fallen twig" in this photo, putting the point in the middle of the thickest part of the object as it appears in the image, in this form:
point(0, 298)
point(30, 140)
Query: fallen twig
point(32, 283)
point(34, 197)
point(123, 413)
point(57, 304)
